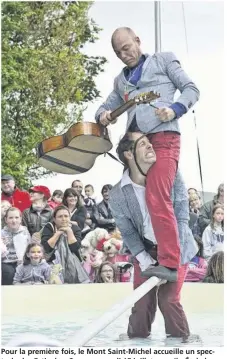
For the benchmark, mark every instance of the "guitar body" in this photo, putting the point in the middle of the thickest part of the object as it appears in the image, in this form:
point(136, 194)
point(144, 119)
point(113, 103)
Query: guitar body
point(75, 151)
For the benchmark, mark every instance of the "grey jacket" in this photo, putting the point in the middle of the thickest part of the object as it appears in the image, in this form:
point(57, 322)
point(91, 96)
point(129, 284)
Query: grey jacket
point(103, 218)
point(32, 273)
point(162, 73)
point(126, 211)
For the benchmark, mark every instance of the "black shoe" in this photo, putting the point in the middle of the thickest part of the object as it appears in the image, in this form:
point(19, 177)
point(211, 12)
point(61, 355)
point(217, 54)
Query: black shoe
point(160, 272)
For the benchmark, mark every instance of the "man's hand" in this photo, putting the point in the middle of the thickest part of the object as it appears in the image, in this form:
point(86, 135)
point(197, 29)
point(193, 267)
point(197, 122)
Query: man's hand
point(105, 118)
point(165, 114)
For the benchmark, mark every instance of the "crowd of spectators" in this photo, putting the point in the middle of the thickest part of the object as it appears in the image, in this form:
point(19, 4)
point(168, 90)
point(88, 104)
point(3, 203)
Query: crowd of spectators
point(207, 225)
point(42, 236)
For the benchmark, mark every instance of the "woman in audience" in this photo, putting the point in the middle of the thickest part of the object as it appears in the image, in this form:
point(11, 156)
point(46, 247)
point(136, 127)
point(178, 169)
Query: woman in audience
point(15, 239)
point(4, 206)
point(61, 241)
point(107, 273)
point(56, 198)
point(35, 217)
point(197, 266)
point(215, 270)
point(213, 235)
point(34, 269)
point(72, 201)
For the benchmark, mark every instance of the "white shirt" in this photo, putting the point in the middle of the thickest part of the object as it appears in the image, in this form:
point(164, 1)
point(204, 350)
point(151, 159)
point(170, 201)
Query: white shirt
point(144, 258)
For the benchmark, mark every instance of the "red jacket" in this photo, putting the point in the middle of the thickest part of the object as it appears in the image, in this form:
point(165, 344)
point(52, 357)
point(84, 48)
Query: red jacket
point(18, 198)
point(53, 204)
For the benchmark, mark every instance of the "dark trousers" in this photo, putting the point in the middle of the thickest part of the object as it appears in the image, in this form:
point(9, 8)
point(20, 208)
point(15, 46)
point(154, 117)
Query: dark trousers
point(167, 298)
point(8, 271)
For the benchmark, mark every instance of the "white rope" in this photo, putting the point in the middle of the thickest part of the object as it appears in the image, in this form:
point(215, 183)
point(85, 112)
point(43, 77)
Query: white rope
point(185, 29)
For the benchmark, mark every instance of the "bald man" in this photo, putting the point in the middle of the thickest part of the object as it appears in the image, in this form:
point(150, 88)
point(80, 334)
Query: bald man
point(162, 73)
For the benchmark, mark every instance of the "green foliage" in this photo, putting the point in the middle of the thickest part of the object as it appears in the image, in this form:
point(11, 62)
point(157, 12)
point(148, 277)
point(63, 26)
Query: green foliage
point(46, 78)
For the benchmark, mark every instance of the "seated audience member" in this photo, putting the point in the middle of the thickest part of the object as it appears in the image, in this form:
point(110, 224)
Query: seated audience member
point(34, 269)
point(61, 241)
point(89, 193)
point(197, 266)
point(90, 205)
point(72, 201)
point(194, 203)
point(192, 191)
point(213, 235)
point(215, 269)
point(15, 239)
point(78, 186)
point(4, 206)
point(205, 214)
point(107, 273)
point(103, 216)
point(12, 194)
point(35, 217)
point(56, 198)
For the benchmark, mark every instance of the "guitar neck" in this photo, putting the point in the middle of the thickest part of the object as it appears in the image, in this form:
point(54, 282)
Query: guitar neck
point(122, 109)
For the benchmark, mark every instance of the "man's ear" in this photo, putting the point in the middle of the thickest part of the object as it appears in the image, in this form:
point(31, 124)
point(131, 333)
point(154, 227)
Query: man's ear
point(137, 39)
point(128, 155)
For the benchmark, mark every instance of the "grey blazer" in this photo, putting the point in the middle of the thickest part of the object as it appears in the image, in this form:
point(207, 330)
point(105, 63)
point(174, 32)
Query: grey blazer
point(162, 73)
point(126, 211)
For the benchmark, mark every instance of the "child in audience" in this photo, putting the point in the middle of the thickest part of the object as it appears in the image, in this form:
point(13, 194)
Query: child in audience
point(215, 270)
point(90, 205)
point(197, 266)
point(56, 198)
point(107, 273)
point(90, 193)
point(34, 269)
point(213, 235)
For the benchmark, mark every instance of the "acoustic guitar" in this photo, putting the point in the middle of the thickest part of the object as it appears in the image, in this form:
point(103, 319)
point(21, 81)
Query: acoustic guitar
point(76, 150)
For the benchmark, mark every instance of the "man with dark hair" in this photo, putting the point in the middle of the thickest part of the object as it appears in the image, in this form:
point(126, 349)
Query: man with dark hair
point(103, 216)
point(12, 194)
point(162, 73)
point(128, 206)
point(78, 186)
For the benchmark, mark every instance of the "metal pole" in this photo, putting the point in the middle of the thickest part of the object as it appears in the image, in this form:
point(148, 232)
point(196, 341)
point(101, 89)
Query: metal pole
point(81, 337)
point(157, 21)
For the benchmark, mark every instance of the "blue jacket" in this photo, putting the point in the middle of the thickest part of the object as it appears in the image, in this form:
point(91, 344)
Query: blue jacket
point(162, 73)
